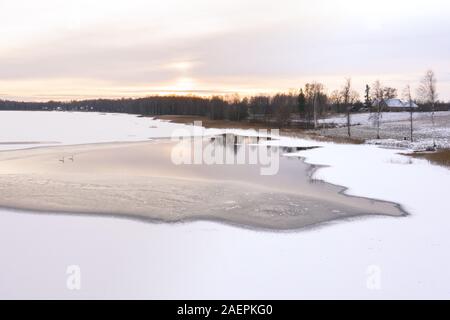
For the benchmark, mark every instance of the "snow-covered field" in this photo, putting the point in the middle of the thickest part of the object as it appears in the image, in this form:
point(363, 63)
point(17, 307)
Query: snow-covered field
point(395, 128)
point(366, 258)
point(364, 118)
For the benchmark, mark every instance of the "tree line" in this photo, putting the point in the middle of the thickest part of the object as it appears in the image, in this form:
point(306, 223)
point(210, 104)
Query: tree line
point(302, 108)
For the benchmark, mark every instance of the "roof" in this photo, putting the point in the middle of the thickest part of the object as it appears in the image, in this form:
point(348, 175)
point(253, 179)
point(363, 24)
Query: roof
point(396, 103)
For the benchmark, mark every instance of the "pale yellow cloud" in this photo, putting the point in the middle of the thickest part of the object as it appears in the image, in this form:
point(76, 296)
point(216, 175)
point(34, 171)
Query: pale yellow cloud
point(113, 48)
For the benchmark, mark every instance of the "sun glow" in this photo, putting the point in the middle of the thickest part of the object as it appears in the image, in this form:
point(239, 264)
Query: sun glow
point(51, 48)
point(182, 66)
point(184, 84)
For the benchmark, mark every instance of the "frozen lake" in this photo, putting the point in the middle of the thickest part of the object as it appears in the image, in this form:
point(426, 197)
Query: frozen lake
point(378, 257)
point(27, 129)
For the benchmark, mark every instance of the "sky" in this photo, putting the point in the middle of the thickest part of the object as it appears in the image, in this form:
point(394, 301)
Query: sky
point(64, 49)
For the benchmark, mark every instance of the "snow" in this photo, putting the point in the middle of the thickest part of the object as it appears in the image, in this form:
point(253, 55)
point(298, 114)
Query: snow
point(395, 103)
point(421, 145)
point(209, 260)
point(395, 129)
point(44, 128)
point(364, 118)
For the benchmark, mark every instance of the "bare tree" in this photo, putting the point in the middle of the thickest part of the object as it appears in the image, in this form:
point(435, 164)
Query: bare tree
point(315, 97)
point(336, 100)
point(348, 98)
point(389, 93)
point(428, 95)
point(408, 98)
point(378, 94)
point(283, 105)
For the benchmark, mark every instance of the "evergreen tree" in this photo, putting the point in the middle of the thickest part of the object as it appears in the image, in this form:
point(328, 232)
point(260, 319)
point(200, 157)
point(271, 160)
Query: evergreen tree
point(301, 103)
point(367, 99)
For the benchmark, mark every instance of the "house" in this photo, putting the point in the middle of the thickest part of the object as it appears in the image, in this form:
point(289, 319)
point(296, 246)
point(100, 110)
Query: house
point(395, 105)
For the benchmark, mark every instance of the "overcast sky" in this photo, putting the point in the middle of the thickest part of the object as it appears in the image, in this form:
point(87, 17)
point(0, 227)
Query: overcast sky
point(63, 49)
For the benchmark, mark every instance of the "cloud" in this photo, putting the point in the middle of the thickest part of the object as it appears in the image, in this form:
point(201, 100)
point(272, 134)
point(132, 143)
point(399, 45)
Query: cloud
point(127, 47)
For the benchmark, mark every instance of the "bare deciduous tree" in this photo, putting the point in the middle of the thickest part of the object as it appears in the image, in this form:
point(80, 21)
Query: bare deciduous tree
point(283, 105)
point(348, 98)
point(428, 95)
point(378, 94)
point(314, 93)
point(408, 97)
point(389, 93)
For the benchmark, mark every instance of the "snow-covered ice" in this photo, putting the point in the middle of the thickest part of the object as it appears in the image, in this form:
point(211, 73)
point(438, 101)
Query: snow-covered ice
point(407, 256)
point(19, 129)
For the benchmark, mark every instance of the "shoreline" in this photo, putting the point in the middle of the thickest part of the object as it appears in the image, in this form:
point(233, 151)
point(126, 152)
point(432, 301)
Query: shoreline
point(171, 197)
point(223, 221)
point(440, 157)
point(245, 125)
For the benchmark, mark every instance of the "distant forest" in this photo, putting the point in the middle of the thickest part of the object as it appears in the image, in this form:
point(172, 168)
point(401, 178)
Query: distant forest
point(304, 106)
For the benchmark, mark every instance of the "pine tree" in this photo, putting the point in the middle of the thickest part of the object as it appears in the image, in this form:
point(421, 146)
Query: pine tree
point(301, 103)
point(367, 101)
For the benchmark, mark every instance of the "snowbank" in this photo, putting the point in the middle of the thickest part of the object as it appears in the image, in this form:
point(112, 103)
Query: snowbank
point(409, 255)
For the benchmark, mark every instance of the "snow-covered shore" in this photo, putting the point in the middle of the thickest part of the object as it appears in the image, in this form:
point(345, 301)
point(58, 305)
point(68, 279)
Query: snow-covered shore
point(387, 117)
point(395, 129)
point(408, 255)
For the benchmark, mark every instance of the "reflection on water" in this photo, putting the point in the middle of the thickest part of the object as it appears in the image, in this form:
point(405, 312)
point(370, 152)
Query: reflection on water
point(230, 149)
point(226, 149)
point(246, 161)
